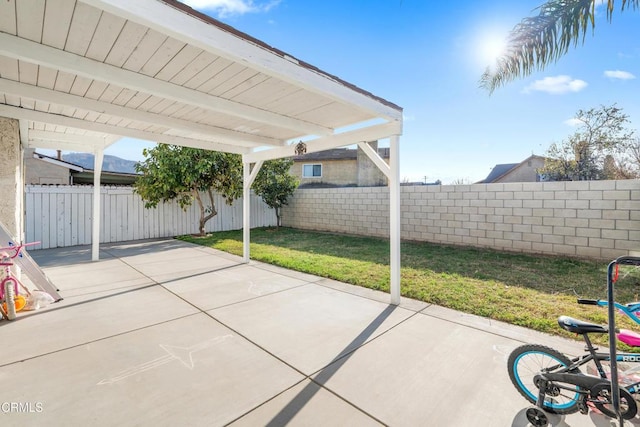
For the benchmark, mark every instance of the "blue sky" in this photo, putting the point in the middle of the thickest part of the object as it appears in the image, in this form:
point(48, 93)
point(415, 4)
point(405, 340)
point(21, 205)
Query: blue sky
point(427, 57)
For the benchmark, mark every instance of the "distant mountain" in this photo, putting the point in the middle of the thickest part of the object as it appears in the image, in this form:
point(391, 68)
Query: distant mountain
point(110, 163)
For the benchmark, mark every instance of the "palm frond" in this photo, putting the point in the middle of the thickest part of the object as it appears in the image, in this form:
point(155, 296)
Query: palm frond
point(540, 40)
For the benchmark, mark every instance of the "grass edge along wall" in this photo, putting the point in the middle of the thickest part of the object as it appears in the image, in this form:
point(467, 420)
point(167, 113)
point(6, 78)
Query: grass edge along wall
point(585, 219)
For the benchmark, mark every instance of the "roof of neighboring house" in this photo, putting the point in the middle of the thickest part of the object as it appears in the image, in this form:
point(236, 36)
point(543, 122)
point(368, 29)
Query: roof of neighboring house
point(58, 162)
point(498, 171)
point(84, 175)
point(112, 178)
point(337, 154)
point(501, 170)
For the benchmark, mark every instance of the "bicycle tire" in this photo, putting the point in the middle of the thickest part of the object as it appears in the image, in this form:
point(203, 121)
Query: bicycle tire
point(601, 399)
point(529, 360)
point(9, 299)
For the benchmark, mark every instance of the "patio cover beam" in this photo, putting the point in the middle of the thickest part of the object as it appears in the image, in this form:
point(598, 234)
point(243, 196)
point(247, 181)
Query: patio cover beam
point(337, 140)
point(56, 119)
point(375, 158)
point(36, 53)
point(62, 141)
point(221, 135)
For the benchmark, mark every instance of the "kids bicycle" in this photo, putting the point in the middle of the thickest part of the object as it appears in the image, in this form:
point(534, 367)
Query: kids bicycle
point(10, 298)
point(555, 382)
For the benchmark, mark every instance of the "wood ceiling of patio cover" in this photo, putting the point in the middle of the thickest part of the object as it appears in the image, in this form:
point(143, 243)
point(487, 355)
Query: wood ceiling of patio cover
point(85, 73)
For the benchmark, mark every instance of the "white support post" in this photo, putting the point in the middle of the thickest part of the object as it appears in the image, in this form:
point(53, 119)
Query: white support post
point(248, 177)
point(394, 218)
point(95, 234)
point(246, 212)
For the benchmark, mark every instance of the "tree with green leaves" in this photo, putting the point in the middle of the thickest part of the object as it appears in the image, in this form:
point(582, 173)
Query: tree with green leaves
point(540, 40)
point(274, 184)
point(172, 172)
point(591, 152)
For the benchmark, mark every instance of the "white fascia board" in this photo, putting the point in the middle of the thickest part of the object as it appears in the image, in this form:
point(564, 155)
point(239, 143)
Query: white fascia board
point(58, 163)
point(178, 24)
point(38, 116)
point(370, 133)
point(36, 53)
point(11, 87)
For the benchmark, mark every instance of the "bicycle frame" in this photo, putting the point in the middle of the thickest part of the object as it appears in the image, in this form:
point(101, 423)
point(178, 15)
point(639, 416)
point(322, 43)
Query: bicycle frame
point(605, 390)
point(597, 358)
point(5, 272)
point(6, 262)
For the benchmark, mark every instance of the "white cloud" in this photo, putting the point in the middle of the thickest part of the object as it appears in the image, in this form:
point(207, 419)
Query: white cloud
point(223, 8)
point(620, 75)
point(557, 85)
point(573, 122)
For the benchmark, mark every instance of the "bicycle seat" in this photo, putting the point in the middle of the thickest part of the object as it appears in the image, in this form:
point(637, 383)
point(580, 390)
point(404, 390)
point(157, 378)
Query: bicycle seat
point(581, 327)
point(629, 337)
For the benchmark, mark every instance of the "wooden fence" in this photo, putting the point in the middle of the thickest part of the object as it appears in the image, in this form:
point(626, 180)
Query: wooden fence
point(60, 216)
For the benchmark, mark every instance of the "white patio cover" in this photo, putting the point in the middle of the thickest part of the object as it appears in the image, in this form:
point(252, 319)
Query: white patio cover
point(80, 74)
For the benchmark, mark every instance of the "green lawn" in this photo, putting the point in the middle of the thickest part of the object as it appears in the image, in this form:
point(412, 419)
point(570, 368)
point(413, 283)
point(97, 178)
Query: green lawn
point(525, 290)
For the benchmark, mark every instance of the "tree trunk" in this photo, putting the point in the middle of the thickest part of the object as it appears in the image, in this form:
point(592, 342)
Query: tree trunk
point(278, 217)
point(204, 217)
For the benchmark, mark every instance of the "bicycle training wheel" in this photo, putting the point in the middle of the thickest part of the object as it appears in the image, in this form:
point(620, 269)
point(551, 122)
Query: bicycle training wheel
point(9, 299)
point(526, 361)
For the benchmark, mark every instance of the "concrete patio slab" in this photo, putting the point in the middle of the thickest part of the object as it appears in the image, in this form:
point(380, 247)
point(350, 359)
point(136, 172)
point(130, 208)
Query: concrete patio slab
point(67, 323)
point(383, 297)
point(517, 333)
point(58, 257)
point(170, 269)
point(429, 369)
point(229, 285)
point(301, 405)
point(88, 277)
point(216, 342)
point(186, 372)
point(310, 326)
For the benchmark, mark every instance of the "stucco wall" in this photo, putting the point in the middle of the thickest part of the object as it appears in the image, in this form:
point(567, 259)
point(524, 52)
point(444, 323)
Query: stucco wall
point(334, 172)
point(593, 219)
point(11, 187)
point(359, 171)
point(40, 172)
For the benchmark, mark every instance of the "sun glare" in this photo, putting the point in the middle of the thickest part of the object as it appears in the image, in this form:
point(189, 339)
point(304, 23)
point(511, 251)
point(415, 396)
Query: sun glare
point(491, 48)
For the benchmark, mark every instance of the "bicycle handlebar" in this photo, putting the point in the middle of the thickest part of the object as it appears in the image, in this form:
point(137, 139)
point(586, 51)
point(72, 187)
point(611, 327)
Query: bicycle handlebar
point(628, 260)
point(17, 248)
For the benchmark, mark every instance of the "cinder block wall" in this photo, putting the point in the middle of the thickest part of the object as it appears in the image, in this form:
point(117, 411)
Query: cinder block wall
point(587, 219)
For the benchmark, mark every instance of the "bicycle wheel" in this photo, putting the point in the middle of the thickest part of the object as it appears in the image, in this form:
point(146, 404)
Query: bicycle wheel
point(9, 299)
point(529, 360)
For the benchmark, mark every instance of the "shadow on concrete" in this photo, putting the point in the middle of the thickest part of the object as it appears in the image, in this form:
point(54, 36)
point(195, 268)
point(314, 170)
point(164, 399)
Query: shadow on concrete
point(305, 395)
